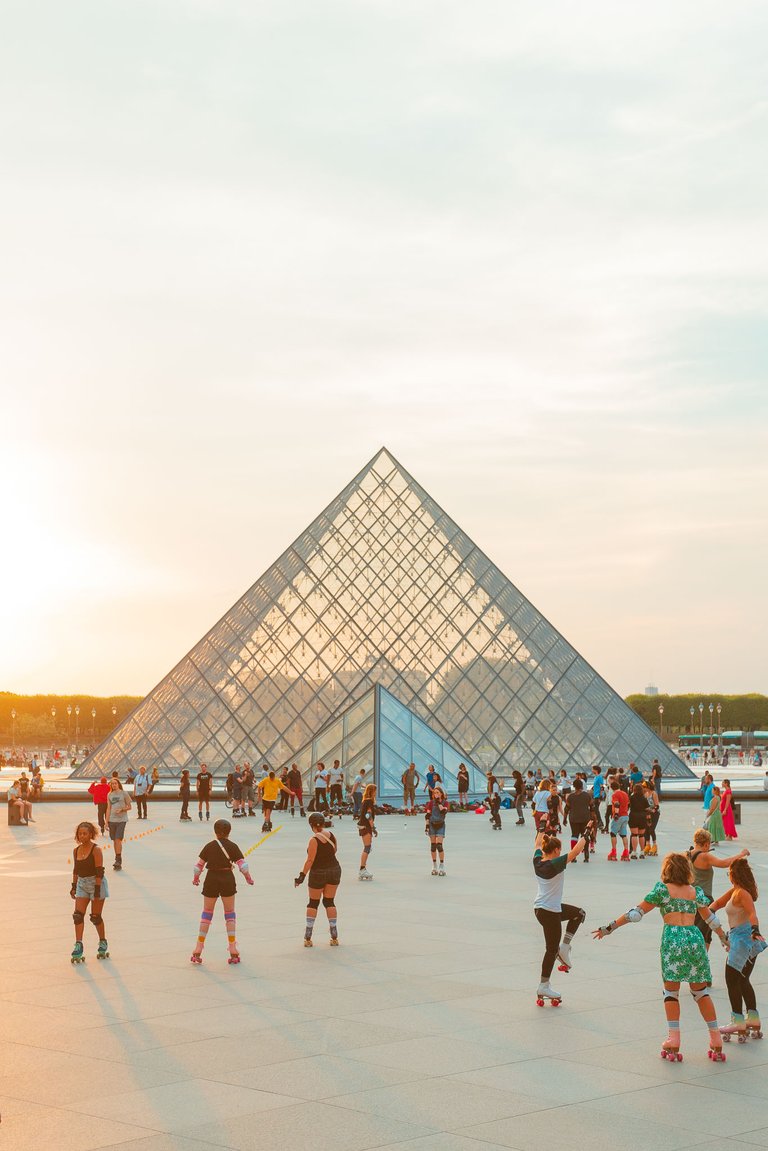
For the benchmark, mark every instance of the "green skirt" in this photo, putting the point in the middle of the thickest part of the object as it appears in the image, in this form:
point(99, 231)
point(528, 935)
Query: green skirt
point(684, 957)
point(714, 825)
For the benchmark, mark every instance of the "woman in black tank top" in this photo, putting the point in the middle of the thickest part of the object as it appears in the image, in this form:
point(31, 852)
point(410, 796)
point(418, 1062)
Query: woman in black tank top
point(324, 871)
point(89, 885)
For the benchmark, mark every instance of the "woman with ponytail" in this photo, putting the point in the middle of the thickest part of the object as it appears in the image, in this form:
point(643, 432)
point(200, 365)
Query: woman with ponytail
point(549, 865)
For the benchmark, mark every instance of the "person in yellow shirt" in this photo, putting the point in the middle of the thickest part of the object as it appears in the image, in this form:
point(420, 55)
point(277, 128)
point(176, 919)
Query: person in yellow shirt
point(269, 789)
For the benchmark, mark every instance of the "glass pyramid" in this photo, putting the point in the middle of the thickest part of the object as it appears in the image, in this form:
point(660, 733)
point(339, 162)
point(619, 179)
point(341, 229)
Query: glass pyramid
point(383, 588)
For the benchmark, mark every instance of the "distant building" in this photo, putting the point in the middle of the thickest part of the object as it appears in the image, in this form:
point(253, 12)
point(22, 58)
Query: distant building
point(651, 689)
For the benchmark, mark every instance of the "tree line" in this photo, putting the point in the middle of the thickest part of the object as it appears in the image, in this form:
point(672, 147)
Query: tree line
point(737, 712)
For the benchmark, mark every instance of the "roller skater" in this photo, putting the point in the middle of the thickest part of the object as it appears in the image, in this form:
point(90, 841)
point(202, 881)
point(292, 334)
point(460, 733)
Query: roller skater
point(324, 872)
point(437, 809)
point(269, 788)
point(549, 866)
point(367, 828)
point(218, 856)
point(118, 806)
point(619, 820)
point(745, 943)
point(89, 885)
point(683, 954)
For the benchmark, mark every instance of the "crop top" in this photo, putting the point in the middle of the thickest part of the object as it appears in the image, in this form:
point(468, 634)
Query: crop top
point(85, 867)
point(667, 903)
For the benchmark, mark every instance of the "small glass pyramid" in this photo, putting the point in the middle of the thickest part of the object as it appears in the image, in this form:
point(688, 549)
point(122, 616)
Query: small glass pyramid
point(383, 588)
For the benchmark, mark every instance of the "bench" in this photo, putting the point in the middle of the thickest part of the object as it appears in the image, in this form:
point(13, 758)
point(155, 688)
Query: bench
point(14, 816)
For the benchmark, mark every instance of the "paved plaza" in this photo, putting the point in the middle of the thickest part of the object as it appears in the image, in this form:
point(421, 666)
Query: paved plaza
point(420, 1032)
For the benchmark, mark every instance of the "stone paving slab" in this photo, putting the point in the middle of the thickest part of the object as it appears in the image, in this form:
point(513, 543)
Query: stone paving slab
point(420, 1032)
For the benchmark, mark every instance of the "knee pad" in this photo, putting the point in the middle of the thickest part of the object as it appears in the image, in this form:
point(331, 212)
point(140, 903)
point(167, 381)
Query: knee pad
point(581, 916)
point(78, 917)
point(207, 915)
point(702, 993)
point(229, 915)
point(96, 920)
point(328, 902)
point(313, 903)
point(671, 996)
point(367, 849)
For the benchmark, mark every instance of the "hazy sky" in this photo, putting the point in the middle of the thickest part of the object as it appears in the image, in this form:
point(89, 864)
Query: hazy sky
point(243, 245)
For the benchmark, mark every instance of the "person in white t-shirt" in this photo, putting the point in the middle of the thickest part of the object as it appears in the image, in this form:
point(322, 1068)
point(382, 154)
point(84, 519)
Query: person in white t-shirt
point(320, 784)
point(358, 787)
point(336, 782)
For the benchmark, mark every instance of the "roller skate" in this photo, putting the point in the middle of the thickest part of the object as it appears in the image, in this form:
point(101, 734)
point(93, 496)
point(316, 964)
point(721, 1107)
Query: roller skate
point(633, 855)
point(441, 870)
point(118, 864)
point(736, 1028)
point(195, 957)
point(612, 855)
point(434, 871)
point(103, 950)
point(546, 991)
point(234, 957)
point(625, 856)
point(716, 1053)
point(265, 827)
point(334, 940)
point(564, 955)
point(364, 874)
point(670, 1049)
point(754, 1030)
point(77, 954)
point(308, 941)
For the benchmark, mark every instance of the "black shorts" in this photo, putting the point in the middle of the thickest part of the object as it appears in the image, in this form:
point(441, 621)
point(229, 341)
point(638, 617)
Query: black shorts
point(219, 883)
point(319, 876)
point(364, 829)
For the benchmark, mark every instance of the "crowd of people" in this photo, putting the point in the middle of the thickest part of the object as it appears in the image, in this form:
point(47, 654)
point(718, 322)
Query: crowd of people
point(624, 806)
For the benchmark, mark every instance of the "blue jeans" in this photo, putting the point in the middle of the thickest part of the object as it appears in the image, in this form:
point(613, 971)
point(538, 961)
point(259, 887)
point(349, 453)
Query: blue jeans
point(357, 800)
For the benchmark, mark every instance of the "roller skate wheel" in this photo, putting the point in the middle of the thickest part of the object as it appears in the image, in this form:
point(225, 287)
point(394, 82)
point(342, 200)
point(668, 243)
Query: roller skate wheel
point(539, 1002)
point(234, 959)
point(716, 1054)
point(757, 1035)
point(726, 1037)
point(562, 967)
point(333, 942)
point(102, 955)
point(742, 1039)
point(556, 1002)
point(308, 943)
point(195, 959)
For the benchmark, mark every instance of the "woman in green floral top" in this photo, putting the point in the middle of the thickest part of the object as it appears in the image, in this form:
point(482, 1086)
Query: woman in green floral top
point(684, 957)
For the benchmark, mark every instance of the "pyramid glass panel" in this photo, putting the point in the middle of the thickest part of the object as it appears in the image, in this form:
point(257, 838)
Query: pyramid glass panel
point(382, 589)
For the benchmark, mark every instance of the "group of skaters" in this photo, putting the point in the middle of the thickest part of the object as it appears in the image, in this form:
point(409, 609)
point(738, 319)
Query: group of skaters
point(685, 900)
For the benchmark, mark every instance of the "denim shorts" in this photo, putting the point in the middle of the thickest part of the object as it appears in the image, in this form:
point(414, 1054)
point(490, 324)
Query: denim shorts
point(86, 885)
point(117, 830)
point(619, 826)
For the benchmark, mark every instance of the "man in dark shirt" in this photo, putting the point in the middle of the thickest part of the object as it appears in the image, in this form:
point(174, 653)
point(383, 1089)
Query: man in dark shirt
point(204, 785)
point(579, 812)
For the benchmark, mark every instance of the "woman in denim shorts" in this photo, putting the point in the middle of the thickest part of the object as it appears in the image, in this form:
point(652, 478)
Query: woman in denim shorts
point(89, 885)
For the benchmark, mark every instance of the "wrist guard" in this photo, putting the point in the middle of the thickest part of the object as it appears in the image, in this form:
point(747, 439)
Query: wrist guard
point(299, 879)
point(199, 867)
point(73, 890)
point(243, 865)
point(610, 928)
point(756, 931)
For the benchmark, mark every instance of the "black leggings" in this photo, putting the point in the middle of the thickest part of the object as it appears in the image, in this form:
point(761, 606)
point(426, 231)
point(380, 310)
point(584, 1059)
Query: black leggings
point(653, 820)
point(550, 921)
point(579, 828)
point(741, 993)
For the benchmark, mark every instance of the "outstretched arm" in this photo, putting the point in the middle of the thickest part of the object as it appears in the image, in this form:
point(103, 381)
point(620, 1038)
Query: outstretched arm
point(715, 862)
point(634, 915)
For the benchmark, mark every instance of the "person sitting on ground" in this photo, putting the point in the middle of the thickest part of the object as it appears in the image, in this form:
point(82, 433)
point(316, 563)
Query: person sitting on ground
point(16, 799)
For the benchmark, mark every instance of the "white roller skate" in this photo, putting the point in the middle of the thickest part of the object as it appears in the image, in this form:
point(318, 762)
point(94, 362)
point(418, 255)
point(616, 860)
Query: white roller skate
point(434, 871)
point(546, 991)
point(441, 870)
point(564, 955)
point(364, 874)
point(737, 1029)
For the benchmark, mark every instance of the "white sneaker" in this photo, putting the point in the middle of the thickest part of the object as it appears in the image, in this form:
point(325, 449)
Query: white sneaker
point(364, 874)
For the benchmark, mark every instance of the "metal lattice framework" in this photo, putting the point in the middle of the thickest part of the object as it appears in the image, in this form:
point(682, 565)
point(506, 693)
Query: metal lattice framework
point(383, 588)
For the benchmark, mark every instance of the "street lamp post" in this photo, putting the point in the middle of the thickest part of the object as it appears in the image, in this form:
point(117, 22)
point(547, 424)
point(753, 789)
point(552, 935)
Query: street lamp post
point(719, 740)
point(53, 717)
point(114, 714)
point(93, 725)
point(711, 727)
point(77, 726)
point(661, 721)
point(13, 723)
point(701, 730)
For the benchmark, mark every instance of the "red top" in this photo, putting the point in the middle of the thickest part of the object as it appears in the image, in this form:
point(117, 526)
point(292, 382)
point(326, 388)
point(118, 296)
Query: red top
point(99, 791)
point(619, 804)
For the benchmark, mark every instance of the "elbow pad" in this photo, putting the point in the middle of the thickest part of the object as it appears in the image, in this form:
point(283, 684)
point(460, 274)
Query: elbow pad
point(243, 865)
point(635, 915)
point(712, 921)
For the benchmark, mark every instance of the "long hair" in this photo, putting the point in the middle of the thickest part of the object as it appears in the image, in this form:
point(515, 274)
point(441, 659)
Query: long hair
point(742, 876)
point(676, 869)
point(370, 791)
